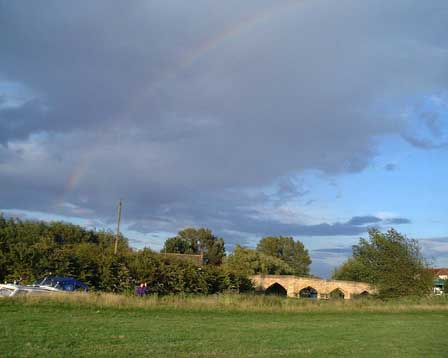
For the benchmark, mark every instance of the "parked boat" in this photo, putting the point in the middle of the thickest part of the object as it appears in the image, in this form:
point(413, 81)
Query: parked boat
point(11, 289)
point(47, 284)
point(58, 283)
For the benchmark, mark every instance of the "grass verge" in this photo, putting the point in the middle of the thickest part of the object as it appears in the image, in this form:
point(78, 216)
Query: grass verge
point(246, 303)
point(220, 326)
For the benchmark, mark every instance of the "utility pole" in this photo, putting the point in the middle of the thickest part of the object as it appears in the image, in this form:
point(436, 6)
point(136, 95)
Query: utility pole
point(117, 236)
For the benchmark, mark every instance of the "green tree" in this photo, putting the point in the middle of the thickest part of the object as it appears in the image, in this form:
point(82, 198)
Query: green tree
point(351, 270)
point(390, 261)
point(293, 253)
point(248, 262)
point(197, 241)
point(33, 249)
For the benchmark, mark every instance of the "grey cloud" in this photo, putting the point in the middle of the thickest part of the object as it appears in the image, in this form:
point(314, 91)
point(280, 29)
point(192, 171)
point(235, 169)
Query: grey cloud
point(277, 228)
point(432, 122)
point(424, 143)
point(435, 250)
point(352, 227)
point(239, 225)
point(362, 220)
point(437, 239)
point(334, 250)
point(20, 121)
point(120, 110)
point(135, 241)
point(289, 189)
point(397, 221)
point(390, 167)
point(3, 100)
point(321, 268)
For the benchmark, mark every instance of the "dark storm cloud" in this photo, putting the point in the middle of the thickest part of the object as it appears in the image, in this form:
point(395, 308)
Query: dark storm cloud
point(180, 108)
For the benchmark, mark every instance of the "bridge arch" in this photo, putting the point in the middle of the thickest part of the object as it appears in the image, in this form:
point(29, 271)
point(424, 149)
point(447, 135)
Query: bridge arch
point(337, 294)
point(295, 286)
point(276, 289)
point(308, 292)
point(362, 294)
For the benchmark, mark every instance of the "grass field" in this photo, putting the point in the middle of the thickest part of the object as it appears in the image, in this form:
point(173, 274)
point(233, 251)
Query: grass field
point(119, 326)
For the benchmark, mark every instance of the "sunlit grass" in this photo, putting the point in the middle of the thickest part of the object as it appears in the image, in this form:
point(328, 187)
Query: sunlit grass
point(250, 303)
point(108, 325)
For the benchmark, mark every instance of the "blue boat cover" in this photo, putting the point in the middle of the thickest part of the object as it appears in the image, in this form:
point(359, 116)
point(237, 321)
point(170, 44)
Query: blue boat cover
point(62, 283)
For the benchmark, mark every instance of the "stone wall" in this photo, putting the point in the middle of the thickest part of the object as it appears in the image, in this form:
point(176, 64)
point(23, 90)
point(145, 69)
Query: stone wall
point(294, 284)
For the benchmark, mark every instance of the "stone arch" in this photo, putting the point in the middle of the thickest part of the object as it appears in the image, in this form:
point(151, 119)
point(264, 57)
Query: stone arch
point(308, 292)
point(337, 294)
point(363, 294)
point(276, 289)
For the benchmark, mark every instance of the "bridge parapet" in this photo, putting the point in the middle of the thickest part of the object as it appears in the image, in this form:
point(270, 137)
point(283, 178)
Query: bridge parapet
point(295, 285)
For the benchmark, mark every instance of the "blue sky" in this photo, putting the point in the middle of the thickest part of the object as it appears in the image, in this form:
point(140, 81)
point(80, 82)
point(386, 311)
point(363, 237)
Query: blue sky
point(315, 119)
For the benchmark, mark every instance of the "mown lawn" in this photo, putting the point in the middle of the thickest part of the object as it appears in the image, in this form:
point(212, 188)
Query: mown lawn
point(31, 329)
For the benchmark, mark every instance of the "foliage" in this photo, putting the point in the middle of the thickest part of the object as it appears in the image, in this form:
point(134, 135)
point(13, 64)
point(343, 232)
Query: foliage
point(197, 241)
point(168, 275)
point(293, 253)
point(31, 250)
point(250, 262)
point(390, 261)
point(351, 270)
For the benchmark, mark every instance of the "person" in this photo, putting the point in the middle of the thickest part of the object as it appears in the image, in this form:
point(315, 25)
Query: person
point(141, 290)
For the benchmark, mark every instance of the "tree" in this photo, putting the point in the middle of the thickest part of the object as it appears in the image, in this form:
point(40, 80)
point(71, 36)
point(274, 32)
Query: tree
point(351, 270)
point(391, 262)
point(197, 241)
point(248, 262)
point(32, 249)
point(293, 253)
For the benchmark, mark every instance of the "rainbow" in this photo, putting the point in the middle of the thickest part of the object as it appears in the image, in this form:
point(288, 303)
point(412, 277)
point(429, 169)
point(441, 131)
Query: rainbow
point(233, 31)
point(76, 175)
point(186, 62)
point(73, 179)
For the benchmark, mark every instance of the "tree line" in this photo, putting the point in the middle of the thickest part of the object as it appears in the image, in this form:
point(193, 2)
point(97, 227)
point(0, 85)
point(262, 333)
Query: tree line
point(32, 249)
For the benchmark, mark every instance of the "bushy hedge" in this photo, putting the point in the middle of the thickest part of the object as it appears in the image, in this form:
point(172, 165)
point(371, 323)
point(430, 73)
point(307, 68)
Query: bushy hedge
point(30, 250)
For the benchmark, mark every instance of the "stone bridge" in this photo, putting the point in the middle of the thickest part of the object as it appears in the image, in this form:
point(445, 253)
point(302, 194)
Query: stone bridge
point(295, 286)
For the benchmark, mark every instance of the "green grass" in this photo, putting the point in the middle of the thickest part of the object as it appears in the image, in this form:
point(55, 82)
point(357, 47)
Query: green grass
point(117, 326)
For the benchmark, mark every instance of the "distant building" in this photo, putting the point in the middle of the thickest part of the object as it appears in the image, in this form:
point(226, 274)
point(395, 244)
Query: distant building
point(441, 273)
point(441, 279)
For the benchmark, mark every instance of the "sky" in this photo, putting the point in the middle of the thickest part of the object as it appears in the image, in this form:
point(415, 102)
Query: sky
point(313, 119)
